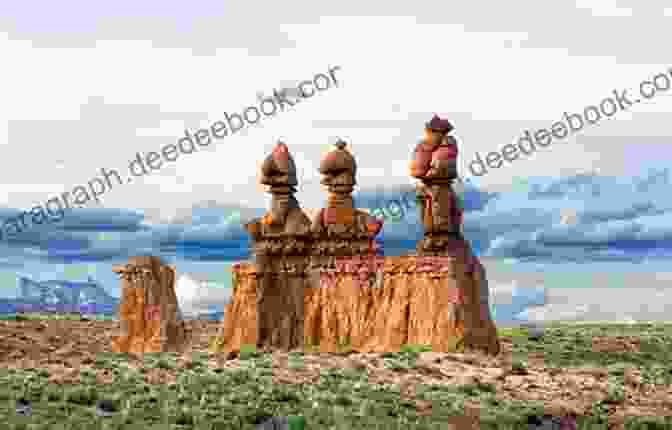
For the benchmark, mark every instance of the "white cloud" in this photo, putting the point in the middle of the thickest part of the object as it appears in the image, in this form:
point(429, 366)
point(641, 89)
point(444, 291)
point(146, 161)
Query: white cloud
point(198, 295)
point(98, 106)
point(604, 7)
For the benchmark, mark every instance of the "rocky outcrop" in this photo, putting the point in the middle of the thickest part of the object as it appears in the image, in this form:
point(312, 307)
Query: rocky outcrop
point(321, 283)
point(434, 164)
point(440, 302)
point(280, 243)
point(149, 316)
point(239, 325)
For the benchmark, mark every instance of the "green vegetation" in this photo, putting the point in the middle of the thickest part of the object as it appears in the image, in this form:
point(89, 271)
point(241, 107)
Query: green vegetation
point(415, 348)
point(342, 398)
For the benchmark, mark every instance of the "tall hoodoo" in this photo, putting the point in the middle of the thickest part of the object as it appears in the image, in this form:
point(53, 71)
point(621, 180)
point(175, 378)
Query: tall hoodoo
point(339, 229)
point(434, 163)
point(343, 251)
point(348, 294)
point(281, 245)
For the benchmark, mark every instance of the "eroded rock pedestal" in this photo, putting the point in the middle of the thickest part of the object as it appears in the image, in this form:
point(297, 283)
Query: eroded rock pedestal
point(331, 291)
point(422, 301)
point(343, 257)
point(434, 164)
point(280, 243)
point(149, 316)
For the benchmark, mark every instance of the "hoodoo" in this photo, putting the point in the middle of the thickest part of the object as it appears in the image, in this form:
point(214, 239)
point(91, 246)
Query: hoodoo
point(149, 316)
point(319, 285)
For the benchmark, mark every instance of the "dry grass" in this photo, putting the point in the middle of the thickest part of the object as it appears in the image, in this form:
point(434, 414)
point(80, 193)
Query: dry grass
point(608, 375)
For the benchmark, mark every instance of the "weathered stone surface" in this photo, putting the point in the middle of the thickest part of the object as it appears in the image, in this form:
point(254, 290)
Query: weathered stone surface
point(434, 163)
point(280, 243)
point(239, 325)
point(319, 284)
point(425, 301)
point(149, 316)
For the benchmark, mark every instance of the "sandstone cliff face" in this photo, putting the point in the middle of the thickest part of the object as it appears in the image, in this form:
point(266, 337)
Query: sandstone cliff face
point(148, 313)
point(416, 300)
point(239, 325)
point(291, 296)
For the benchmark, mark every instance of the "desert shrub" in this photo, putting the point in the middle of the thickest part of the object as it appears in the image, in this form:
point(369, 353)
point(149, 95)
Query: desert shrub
point(415, 348)
point(519, 367)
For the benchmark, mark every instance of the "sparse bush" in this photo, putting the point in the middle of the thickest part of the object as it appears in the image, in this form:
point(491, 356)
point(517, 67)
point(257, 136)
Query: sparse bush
point(415, 348)
point(344, 343)
point(335, 398)
point(615, 394)
point(248, 352)
point(519, 367)
point(81, 395)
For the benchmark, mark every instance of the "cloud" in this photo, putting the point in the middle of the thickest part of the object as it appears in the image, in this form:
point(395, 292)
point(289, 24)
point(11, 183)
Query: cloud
point(578, 218)
point(611, 219)
point(509, 300)
point(588, 304)
point(196, 295)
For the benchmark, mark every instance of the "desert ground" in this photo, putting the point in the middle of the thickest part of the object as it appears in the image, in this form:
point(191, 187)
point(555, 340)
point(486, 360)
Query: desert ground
point(606, 375)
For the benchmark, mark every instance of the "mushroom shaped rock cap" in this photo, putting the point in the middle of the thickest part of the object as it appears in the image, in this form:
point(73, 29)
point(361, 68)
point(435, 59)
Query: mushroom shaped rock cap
point(439, 124)
point(338, 160)
point(279, 163)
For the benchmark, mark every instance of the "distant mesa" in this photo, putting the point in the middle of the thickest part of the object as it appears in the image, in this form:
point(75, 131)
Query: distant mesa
point(60, 296)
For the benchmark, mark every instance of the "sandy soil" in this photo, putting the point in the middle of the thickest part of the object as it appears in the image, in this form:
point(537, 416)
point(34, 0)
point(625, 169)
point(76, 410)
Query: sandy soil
point(64, 347)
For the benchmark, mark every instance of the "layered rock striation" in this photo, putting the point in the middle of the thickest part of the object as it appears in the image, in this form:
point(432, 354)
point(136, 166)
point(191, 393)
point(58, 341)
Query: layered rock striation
point(149, 317)
point(319, 284)
point(437, 301)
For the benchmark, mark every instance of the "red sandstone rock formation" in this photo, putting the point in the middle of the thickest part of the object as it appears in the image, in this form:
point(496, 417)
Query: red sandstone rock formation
point(434, 163)
point(148, 313)
point(421, 301)
point(301, 284)
point(239, 326)
point(280, 242)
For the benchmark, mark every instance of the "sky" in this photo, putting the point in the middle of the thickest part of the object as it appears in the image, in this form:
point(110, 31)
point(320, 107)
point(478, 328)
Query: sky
point(86, 86)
